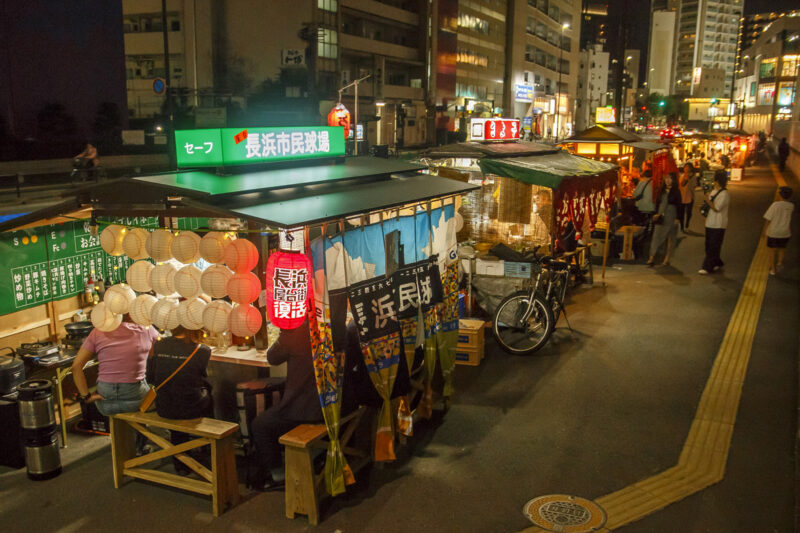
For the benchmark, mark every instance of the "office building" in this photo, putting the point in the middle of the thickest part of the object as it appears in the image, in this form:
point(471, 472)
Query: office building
point(660, 63)
point(541, 53)
point(220, 50)
point(592, 85)
point(709, 83)
point(594, 23)
point(767, 80)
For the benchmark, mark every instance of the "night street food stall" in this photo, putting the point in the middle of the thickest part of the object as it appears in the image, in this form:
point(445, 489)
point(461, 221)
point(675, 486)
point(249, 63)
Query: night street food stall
point(270, 204)
point(528, 195)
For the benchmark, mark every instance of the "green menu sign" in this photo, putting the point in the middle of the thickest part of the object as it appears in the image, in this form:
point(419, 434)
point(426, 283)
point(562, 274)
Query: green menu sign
point(231, 146)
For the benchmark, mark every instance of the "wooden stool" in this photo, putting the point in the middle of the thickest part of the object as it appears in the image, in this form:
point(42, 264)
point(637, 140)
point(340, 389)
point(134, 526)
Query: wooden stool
point(627, 241)
point(304, 487)
point(220, 482)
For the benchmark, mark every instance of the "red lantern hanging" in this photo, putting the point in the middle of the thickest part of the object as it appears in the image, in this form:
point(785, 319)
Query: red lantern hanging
point(288, 288)
point(340, 116)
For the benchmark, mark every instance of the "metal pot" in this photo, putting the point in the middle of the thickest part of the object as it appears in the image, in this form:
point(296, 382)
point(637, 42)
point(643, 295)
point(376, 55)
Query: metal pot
point(12, 373)
point(79, 329)
point(36, 404)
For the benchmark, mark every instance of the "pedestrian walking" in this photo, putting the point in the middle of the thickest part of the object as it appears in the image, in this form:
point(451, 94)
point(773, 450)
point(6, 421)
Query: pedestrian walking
point(717, 202)
point(665, 229)
point(687, 185)
point(783, 154)
point(776, 229)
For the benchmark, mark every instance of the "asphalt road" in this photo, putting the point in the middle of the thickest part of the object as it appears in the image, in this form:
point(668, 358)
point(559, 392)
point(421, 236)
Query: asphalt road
point(597, 409)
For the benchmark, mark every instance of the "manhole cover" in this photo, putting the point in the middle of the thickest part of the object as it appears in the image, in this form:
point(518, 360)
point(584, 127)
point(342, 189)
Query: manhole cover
point(565, 514)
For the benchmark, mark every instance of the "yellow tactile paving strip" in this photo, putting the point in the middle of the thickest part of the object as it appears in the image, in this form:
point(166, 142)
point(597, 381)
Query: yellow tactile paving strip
point(705, 452)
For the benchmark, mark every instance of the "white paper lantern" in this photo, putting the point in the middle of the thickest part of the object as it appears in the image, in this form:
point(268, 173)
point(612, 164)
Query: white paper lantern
point(215, 316)
point(244, 288)
point(245, 321)
point(111, 239)
point(164, 313)
point(162, 279)
point(185, 247)
point(103, 319)
point(158, 245)
point(141, 308)
point(214, 281)
point(187, 281)
point(138, 276)
point(118, 298)
point(213, 244)
point(133, 244)
point(240, 255)
point(190, 313)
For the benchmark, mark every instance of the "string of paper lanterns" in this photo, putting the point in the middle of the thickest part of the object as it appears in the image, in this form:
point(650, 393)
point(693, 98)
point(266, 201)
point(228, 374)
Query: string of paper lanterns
point(229, 276)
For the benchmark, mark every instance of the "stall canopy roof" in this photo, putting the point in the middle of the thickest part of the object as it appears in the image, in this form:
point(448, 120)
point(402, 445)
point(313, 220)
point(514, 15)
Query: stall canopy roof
point(197, 183)
point(607, 134)
point(281, 197)
point(545, 170)
point(645, 145)
point(478, 150)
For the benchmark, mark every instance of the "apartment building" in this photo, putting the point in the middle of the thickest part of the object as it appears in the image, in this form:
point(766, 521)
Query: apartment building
point(660, 63)
point(706, 37)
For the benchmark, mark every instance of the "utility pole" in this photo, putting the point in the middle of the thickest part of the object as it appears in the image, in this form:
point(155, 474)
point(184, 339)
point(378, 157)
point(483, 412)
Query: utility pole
point(355, 111)
point(168, 89)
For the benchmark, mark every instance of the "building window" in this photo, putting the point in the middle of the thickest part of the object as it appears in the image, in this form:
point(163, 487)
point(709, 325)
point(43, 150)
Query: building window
point(472, 58)
point(175, 25)
point(473, 23)
point(328, 5)
point(767, 68)
point(328, 44)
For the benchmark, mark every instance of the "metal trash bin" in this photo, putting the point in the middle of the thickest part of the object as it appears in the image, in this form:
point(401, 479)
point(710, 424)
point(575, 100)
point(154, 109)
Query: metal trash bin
point(39, 429)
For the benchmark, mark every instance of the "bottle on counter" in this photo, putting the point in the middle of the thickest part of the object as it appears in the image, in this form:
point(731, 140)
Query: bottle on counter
point(88, 291)
point(100, 287)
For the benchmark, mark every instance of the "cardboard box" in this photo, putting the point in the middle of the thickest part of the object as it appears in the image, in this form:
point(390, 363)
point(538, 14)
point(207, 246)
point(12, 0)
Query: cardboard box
point(468, 356)
point(517, 270)
point(470, 342)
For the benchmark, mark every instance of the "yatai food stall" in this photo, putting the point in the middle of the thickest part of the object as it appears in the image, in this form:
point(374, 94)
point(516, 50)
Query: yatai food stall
point(279, 209)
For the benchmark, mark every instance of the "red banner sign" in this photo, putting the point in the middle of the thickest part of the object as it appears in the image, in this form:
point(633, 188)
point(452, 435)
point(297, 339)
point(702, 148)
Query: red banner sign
point(494, 129)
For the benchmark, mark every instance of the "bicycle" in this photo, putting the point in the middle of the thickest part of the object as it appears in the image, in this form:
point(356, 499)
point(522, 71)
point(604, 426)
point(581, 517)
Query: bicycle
point(525, 320)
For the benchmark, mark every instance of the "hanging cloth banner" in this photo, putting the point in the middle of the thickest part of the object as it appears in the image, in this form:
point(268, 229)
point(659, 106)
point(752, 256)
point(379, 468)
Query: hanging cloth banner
point(373, 305)
point(444, 245)
point(328, 371)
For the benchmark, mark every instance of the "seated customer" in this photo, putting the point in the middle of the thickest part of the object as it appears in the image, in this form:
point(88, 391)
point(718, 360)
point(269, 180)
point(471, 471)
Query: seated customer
point(187, 394)
point(122, 359)
point(299, 404)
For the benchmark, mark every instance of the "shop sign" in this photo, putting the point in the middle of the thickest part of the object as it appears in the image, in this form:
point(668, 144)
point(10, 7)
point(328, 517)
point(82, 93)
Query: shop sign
point(523, 93)
point(218, 147)
point(494, 129)
point(605, 115)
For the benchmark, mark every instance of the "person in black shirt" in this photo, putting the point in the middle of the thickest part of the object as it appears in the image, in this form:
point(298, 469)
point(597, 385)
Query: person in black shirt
point(188, 394)
point(299, 404)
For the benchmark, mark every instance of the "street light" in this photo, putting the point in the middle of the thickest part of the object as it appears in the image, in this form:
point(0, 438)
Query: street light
point(564, 26)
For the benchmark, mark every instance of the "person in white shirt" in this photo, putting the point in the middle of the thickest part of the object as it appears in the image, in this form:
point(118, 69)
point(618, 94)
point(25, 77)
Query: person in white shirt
point(716, 222)
point(776, 230)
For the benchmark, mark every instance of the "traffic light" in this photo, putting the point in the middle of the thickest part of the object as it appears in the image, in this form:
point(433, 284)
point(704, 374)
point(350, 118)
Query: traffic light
point(714, 101)
point(662, 103)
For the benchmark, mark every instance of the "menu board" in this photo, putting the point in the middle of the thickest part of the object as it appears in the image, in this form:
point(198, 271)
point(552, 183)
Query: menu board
point(53, 262)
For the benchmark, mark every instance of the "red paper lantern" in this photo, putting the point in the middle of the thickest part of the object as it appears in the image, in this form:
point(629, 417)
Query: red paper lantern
point(288, 288)
point(340, 116)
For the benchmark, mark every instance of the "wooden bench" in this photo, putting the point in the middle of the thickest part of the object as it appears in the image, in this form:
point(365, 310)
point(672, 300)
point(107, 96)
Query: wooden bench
point(220, 482)
point(304, 487)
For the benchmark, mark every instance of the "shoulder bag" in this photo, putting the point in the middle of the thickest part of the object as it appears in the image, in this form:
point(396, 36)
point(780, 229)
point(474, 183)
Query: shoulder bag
point(150, 397)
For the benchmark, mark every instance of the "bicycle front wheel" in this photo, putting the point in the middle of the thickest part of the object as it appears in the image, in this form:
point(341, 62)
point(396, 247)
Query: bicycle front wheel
point(516, 334)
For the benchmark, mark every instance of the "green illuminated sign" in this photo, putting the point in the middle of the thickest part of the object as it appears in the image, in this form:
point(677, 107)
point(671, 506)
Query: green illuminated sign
point(231, 146)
